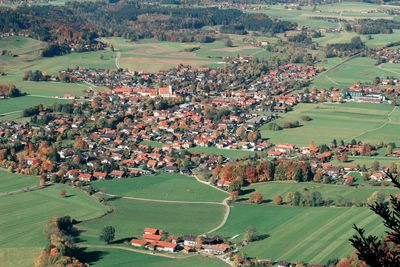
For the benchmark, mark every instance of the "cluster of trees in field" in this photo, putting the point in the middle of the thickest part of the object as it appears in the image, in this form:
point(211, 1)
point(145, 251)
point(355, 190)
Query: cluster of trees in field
point(264, 170)
point(79, 24)
point(345, 49)
point(60, 249)
point(10, 90)
point(35, 76)
point(369, 26)
point(300, 38)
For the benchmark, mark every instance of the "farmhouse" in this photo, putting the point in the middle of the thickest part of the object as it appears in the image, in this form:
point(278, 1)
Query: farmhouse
point(100, 175)
point(189, 240)
point(150, 237)
point(165, 246)
point(285, 148)
point(216, 249)
point(138, 243)
point(85, 177)
point(151, 231)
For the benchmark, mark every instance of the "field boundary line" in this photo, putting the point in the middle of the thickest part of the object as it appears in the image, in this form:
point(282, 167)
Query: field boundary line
point(384, 69)
point(12, 112)
point(375, 129)
point(116, 60)
point(167, 201)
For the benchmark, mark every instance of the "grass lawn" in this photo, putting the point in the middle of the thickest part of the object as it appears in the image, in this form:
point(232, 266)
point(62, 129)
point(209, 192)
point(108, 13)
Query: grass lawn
point(154, 144)
point(383, 39)
point(121, 258)
point(367, 161)
point(27, 58)
point(12, 181)
point(302, 17)
point(18, 104)
point(335, 37)
point(337, 121)
point(27, 213)
point(130, 217)
point(229, 153)
point(164, 186)
point(362, 193)
point(359, 69)
point(153, 55)
point(296, 234)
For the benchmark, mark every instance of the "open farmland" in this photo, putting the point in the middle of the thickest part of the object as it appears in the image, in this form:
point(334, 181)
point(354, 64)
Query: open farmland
point(367, 161)
point(364, 122)
point(297, 234)
point(26, 51)
point(22, 235)
point(352, 71)
point(131, 216)
point(361, 194)
point(164, 187)
point(152, 55)
point(117, 258)
point(10, 182)
point(324, 16)
point(18, 104)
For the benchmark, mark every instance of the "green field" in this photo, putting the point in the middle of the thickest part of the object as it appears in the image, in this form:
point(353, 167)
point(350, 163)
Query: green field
point(163, 187)
point(27, 213)
point(324, 14)
point(302, 17)
point(27, 58)
point(152, 55)
point(130, 217)
point(299, 234)
point(18, 104)
point(118, 258)
point(360, 69)
point(212, 150)
point(271, 189)
point(364, 122)
point(359, 160)
point(11, 181)
point(229, 153)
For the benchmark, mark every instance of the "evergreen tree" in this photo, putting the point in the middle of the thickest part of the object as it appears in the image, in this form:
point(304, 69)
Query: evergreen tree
point(381, 252)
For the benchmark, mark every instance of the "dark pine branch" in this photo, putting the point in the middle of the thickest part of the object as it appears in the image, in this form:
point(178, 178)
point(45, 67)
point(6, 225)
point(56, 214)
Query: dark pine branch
point(378, 252)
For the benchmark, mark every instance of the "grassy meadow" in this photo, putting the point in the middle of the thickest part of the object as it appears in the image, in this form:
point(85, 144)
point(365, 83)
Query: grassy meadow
point(130, 217)
point(299, 234)
point(325, 14)
point(117, 258)
point(365, 122)
point(26, 57)
point(152, 55)
point(22, 235)
point(229, 153)
point(17, 104)
point(163, 187)
point(11, 181)
point(360, 69)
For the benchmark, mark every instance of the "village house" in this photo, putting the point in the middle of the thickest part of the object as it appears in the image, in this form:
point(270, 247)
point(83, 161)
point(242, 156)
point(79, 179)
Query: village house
point(218, 249)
